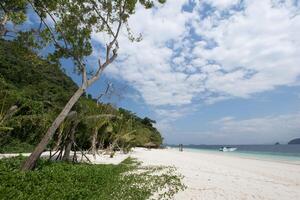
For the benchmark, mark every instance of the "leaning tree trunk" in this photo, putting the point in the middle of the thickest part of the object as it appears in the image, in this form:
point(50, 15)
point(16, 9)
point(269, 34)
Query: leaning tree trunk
point(94, 142)
point(30, 162)
point(59, 138)
point(70, 141)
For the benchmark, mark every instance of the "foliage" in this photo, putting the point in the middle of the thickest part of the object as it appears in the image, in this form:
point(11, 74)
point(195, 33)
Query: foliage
point(145, 131)
point(15, 146)
point(74, 22)
point(14, 9)
point(36, 87)
point(60, 180)
point(40, 89)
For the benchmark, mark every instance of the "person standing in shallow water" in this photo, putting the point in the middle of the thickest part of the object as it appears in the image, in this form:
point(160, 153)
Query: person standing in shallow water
point(180, 147)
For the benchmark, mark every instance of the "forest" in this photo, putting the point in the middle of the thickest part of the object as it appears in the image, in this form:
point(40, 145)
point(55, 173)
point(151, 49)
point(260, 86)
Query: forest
point(33, 91)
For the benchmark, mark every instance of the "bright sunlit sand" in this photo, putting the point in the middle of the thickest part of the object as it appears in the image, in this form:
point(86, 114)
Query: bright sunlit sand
point(215, 176)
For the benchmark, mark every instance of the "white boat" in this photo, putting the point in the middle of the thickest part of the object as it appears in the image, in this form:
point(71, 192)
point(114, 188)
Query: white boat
point(227, 149)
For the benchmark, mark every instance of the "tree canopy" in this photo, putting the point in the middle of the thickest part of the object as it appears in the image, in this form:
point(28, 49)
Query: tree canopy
point(39, 90)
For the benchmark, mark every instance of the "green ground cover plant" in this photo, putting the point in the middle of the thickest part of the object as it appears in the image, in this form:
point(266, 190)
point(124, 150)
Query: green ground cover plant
point(62, 180)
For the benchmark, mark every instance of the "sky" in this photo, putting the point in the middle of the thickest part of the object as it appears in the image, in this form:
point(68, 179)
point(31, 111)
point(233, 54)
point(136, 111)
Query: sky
point(212, 71)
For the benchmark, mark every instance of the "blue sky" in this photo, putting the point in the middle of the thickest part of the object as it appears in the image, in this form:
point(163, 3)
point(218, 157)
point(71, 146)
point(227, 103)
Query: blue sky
point(211, 71)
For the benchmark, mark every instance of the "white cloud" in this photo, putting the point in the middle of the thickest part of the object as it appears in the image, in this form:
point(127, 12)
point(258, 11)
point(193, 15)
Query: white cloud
point(266, 129)
point(229, 130)
point(147, 65)
point(262, 40)
point(242, 52)
point(221, 4)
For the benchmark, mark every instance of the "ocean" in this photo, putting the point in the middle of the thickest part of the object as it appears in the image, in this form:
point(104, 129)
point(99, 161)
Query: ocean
point(280, 153)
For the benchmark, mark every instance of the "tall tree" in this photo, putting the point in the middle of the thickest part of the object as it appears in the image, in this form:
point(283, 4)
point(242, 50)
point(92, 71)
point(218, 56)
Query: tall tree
point(67, 25)
point(11, 11)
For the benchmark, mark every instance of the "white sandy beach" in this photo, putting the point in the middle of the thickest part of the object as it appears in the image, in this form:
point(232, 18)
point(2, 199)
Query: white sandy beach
point(215, 176)
point(99, 159)
point(212, 176)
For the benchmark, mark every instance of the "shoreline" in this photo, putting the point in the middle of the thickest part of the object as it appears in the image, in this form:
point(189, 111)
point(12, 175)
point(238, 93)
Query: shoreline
point(211, 175)
point(217, 176)
point(294, 160)
point(98, 159)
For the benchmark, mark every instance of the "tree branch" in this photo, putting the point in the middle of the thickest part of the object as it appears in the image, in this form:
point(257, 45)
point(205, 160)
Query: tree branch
point(82, 67)
point(49, 29)
point(95, 7)
point(55, 22)
point(109, 59)
point(3, 22)
point(105, 92)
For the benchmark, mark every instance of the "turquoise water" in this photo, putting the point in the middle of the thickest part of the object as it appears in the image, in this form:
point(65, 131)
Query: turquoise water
point(279, 153)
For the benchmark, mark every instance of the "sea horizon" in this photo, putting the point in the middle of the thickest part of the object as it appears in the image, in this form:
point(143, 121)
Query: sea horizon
point(281, 153)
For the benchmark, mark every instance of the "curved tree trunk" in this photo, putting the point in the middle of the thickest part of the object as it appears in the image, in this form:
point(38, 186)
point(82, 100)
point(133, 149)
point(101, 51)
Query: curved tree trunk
point(30, 162)
point(59, 138)
point(94, 142)
point(70, 141)
point(101, 143)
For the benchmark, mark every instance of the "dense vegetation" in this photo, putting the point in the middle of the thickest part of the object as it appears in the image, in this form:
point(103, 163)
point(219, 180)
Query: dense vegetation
point(59, 180)
point(33, 91)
